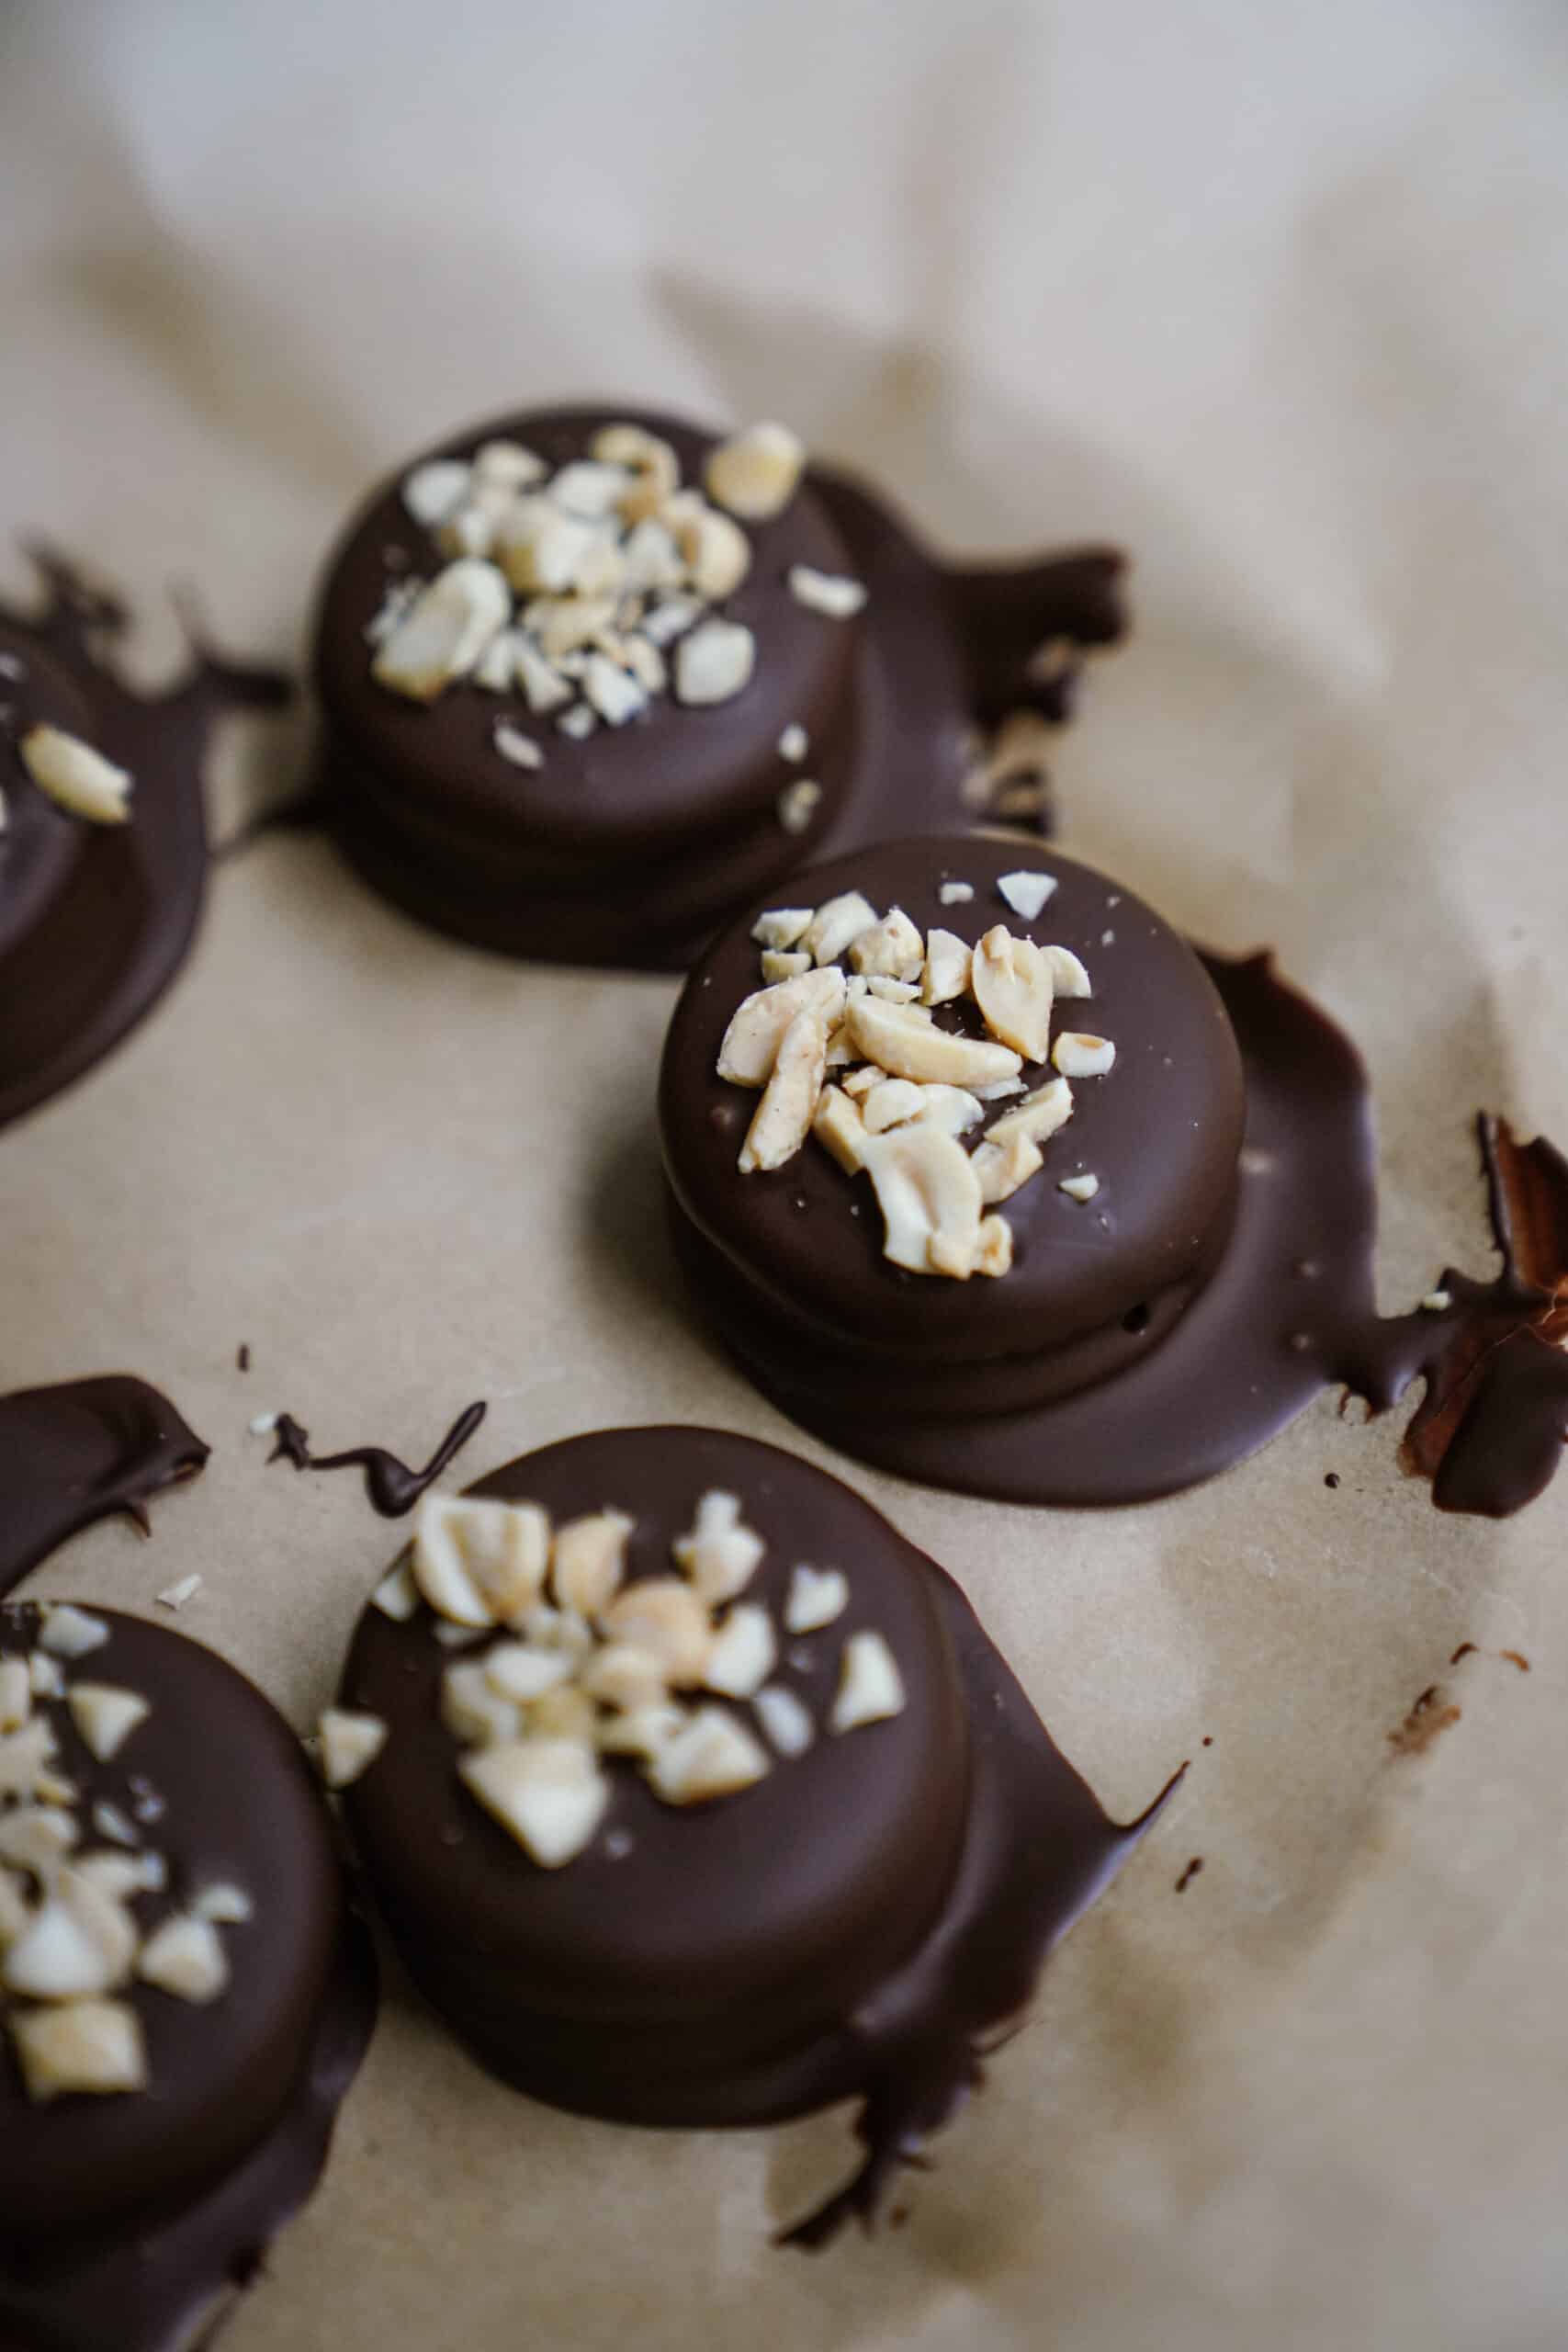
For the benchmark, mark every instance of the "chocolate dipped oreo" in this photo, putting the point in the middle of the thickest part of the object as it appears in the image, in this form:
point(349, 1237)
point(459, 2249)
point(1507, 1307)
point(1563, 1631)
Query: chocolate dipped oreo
point(103, 847)
point(182, 2000)
point(588, 683)
point(956, 1135)
point(693, 1794)
point(985, 1176)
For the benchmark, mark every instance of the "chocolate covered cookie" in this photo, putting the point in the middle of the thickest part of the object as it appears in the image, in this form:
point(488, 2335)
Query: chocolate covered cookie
point(103, 846)
point(182, 2000)
point(587, 683)
point(694, 1795)
point(956, 1135)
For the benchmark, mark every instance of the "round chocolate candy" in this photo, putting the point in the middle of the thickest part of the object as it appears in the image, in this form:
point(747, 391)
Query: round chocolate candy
point(182, 2004)
point(1107, 1149)
point(551, 771)
point(820, 1858)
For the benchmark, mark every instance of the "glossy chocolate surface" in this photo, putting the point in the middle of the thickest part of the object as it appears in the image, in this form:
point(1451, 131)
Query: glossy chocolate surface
point(132, 2220)
point(630, 846)
point(1290, 1309)
point(1161, 1131)
point(238, 1806)
point(851, 1927)
point(95, 920)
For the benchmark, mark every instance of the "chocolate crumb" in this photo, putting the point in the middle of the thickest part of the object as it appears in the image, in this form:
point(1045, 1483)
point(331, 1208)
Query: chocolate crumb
point(1433, 1712)
point(1190, 1873)
point(1331, 1478)
point(242, 1359)
point(1208, 1739)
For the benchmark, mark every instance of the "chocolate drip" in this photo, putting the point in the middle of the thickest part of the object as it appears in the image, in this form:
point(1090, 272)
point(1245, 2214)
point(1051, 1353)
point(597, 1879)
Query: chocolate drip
point(392, 1487)
point(1290, 1309)
point(122, 901)
point(1041, 1849)
point(861, 1924)
point(73, 1454)
point(1007, 614)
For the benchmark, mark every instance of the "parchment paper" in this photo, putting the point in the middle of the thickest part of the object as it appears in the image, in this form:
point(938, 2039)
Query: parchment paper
point(1278, 298)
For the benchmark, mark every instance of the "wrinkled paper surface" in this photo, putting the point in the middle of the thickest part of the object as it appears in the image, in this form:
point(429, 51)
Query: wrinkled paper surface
point(1277, 297)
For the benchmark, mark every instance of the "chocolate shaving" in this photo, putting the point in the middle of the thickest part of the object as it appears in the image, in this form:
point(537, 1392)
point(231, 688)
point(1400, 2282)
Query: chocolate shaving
point(392, 1488)
point(1489, 1432)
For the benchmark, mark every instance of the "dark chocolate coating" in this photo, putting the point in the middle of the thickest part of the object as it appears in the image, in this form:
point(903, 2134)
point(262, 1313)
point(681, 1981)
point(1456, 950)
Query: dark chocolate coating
point(1161, 1131)
point(1290, 1309)
point(95, 920)
point(75, 1453)
point(851, 1927)
point(662, 2004)
point(629, 847)
point(240, 1807)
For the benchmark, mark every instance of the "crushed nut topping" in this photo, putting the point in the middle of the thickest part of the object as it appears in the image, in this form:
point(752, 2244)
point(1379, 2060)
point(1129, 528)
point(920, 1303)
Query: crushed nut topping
point(75, 776)
point(859, 1059)
point(620, 1670)
point(348, 1745)
point(870, 1688)
point(1079, 1188)
point(1026, 893)
point(798, 803)
point(1079, 1055)
point(567, 584)
point(823, 592)
point(71, 1939)
point(755, 473)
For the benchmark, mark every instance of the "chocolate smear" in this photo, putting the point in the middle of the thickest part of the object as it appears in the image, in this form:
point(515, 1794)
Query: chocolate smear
point(392, 1488)
point(1433, 1712)
point(73, 1454)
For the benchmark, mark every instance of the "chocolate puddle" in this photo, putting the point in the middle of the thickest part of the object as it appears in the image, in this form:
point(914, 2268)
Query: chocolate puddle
point(73, 1454)
point(596, 878)
point(112, 908)
point(1289, 1311)
point(1038, 1850)
point(392, 1488)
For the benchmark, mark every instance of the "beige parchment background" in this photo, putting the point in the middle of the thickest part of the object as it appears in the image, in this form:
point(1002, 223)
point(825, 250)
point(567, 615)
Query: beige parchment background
point(1277, 297)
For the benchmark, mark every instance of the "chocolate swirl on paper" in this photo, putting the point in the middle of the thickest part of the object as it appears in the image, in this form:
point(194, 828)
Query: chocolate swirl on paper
point(392, 1487)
